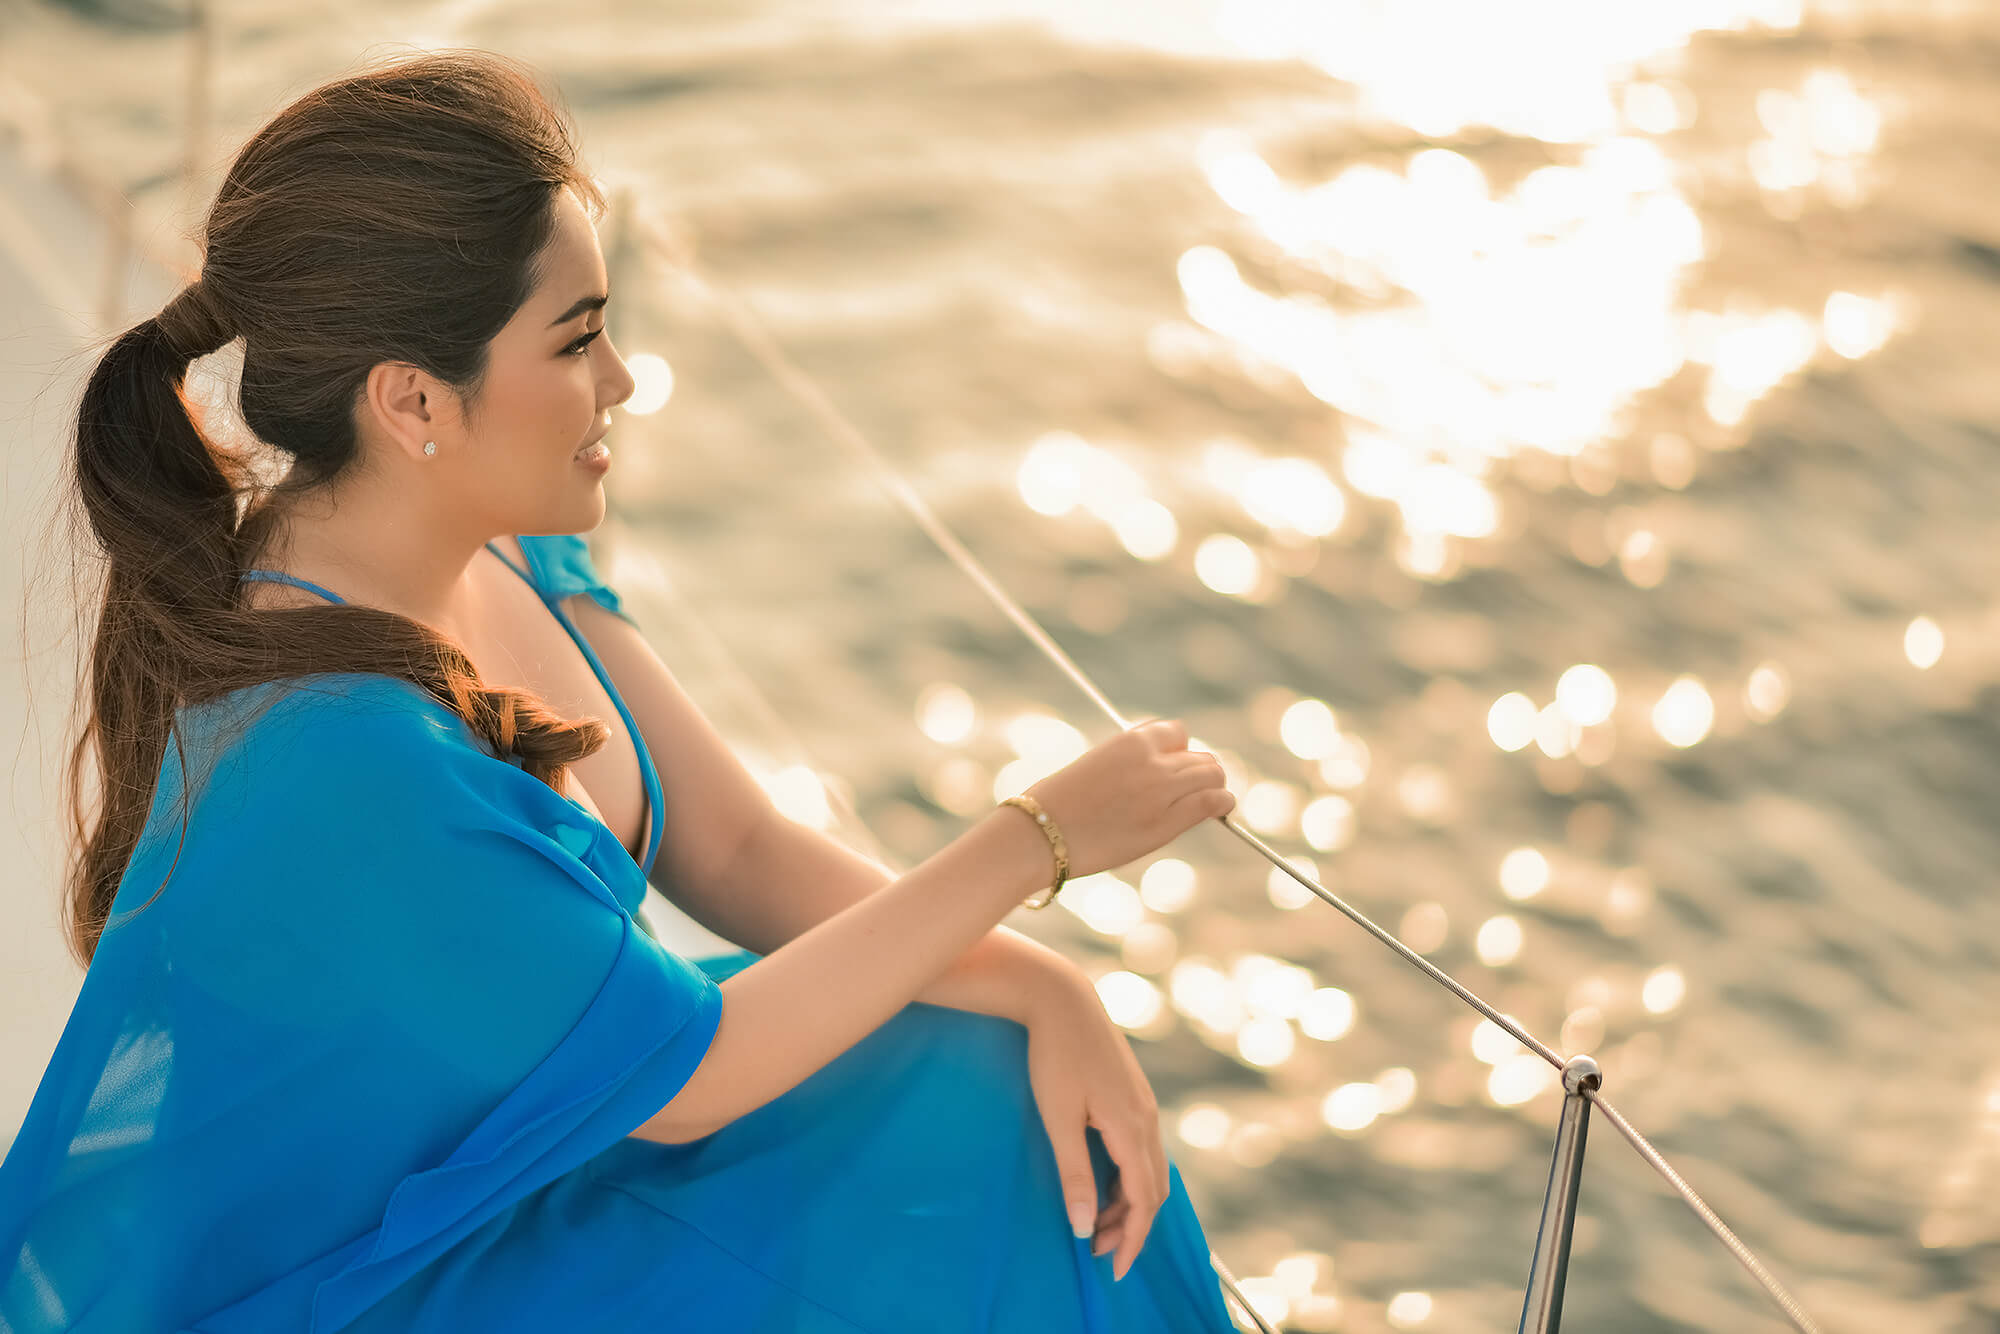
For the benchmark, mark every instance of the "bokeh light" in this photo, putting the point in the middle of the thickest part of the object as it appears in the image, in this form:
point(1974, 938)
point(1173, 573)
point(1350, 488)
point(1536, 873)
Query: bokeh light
point(1923, 643)
point(1684, 713)
point(1541, 393)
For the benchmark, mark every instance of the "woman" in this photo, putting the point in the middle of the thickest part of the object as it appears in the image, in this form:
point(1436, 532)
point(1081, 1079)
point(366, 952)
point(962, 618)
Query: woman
point(368, 1037)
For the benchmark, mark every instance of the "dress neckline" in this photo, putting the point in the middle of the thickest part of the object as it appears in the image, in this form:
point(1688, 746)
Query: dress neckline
point(649, 773)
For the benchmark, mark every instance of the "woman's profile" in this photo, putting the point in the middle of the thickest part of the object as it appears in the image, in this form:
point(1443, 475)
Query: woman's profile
point(375, 772)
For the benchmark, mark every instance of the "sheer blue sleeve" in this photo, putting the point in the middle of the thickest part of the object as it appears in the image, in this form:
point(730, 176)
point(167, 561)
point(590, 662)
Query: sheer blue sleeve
point(391, 986)
point(562, 566)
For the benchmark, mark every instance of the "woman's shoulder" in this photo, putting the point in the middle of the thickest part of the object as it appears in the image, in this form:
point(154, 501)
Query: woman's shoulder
point(562, 565)
point(317, 766)
point(373, 719)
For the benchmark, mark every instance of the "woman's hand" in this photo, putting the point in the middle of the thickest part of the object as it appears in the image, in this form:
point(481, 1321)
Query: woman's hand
point(1135, 792)
point(1084, 1073)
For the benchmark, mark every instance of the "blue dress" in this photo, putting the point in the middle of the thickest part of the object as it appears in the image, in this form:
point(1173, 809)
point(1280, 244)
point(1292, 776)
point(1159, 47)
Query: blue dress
point(370, 1059)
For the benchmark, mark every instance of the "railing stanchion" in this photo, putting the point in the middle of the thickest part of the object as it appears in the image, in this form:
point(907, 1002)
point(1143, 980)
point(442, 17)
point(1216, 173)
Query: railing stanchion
point(1541, 1312)
point(677, 246)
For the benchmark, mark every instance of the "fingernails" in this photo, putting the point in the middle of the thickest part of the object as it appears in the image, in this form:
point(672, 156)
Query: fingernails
point(1081, 1216)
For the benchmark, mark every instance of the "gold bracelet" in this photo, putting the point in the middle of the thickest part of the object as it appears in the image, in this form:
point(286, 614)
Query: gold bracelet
point(1051, 832)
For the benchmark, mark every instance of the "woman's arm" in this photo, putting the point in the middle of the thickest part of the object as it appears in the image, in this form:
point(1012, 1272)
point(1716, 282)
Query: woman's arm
point(787, 878)
point(789, 1014)
point(732, 862)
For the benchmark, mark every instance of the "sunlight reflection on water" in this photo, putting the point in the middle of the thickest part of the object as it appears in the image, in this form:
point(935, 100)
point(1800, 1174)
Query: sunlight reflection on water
point(1545, 447)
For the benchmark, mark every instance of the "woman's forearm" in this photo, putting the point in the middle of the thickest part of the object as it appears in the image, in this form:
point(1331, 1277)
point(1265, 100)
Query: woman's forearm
point(788, 878)
point(799, 1007)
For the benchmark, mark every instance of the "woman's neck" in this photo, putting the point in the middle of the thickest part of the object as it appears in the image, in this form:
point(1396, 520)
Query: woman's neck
point(385, 551)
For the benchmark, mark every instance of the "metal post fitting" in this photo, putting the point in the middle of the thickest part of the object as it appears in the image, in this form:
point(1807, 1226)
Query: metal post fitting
point(1541, 1312)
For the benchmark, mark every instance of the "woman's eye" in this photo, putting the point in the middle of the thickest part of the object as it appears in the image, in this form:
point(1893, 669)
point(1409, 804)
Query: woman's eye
point(576, 349)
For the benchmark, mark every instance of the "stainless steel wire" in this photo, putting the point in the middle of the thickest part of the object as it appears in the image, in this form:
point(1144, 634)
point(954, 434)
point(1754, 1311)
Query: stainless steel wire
point(747, 327)
point(1250, 1312)
point(1793, 1311)
point(692, 627)
point(773, 722)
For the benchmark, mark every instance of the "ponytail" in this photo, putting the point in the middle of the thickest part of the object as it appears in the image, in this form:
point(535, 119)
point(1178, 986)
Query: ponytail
point(173, 630)
point(320, 256)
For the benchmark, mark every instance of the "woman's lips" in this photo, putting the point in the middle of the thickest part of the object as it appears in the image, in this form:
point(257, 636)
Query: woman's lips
point(596, 453)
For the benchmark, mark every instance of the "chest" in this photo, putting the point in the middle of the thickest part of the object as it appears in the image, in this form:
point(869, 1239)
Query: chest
point(517, 643)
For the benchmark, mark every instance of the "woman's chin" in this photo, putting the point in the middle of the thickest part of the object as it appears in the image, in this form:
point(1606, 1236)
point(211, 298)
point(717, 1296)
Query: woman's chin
point(591, 512)
point(582, 509)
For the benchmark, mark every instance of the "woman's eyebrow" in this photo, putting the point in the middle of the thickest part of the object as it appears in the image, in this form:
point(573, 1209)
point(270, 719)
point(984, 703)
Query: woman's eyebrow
point(582, 304)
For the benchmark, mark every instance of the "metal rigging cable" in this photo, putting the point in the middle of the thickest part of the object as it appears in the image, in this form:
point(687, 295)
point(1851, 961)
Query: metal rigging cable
point(758, 341)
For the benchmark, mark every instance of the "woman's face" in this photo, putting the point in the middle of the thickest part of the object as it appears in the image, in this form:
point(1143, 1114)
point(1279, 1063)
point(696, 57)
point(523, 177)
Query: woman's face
point(528, 462)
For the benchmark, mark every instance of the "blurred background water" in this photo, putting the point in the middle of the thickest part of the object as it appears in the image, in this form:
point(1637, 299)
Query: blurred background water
point(1548, 450)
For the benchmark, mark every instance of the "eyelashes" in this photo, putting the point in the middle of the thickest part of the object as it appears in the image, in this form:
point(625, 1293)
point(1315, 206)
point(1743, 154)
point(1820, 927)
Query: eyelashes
point(576, 349)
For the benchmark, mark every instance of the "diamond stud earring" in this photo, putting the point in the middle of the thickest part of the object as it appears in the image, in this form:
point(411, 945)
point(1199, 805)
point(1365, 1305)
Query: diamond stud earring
point(430, 447)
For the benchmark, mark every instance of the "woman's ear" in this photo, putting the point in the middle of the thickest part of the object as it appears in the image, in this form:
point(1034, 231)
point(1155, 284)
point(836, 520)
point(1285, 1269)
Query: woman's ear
point(404, 402)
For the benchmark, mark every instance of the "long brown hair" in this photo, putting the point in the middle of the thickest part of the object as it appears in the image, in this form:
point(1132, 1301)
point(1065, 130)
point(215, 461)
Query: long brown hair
point(395, 215)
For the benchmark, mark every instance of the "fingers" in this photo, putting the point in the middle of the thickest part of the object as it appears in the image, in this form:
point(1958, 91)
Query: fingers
point(1195, 772)
point(1143, 1186)
point(1079, 1183)
point(1194, 759)
point(1111, 1223)
point(1192, 773)
point(1164, 733)
point(1204, 798)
